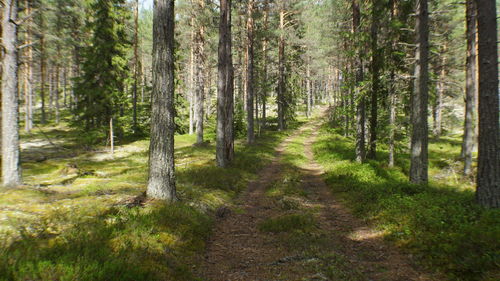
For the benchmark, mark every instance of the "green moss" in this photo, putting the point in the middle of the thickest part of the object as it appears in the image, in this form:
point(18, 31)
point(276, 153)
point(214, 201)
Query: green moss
point(439, 223)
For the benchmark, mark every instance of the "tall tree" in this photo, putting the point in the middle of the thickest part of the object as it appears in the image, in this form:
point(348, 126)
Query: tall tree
point(137, 66)
point(161, 183)
point(488, 175)
point(225, 89)
point(470, 85)
point(250, 73)
point(11, 169)
point(101, 87)
point(199, 64)
point(281, 99)
point(360, 107)
point(376, 66)
point(419, 101)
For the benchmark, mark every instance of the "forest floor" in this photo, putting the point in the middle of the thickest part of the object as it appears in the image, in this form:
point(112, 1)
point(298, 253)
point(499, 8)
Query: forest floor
point(293, 206)
point(288, 226)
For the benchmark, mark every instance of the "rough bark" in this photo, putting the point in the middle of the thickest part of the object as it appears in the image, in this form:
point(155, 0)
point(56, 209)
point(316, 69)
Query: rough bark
point(161, 183)
point(281, 72)
point(191, 82)
point(28, 82)
point(488, 175)
point(43, 66)
point(225, 89)
point(11, 168)
point(376, 66)
point(136, 66)
point(264, 62)
point(250, 74)
point(199, 76)
point(308, 90)
point(360, 106)
point(419, 103)
point(470, 86)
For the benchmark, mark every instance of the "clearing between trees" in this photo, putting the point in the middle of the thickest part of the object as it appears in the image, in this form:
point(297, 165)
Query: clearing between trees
point(288, 226)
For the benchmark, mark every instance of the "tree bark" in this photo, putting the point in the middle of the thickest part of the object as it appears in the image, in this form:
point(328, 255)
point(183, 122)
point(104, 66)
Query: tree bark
point(470, 86)
point(191, 81)
point(308, 90)
point(199, 56)
point(225, 89)
point(136, 67)
point(419, 103)
point(161, 183)
point(264, 62)
point(43, 66)
point(376, 66)
point(281, 71)
point(250, 74)
point(360, 106)
point(11, 168)
point(488, 175)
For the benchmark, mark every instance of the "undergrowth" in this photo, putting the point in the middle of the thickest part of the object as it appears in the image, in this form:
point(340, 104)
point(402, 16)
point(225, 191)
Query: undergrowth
point(439, 223)
point(76, 218)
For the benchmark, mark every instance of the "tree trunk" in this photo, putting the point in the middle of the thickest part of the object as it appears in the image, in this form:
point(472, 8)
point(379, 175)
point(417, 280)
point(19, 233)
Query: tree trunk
point(470, 86)
point(250, 75)
point(438, 114)
point(281, 72)
point(225, 90)
point(308, 90)
point(191, 82)
point(419, 103)
point(488, 175)
point(43, 59)
point(11, 168)
point(199, 56)
point(360, 107)
point(376, 66)
point(57, 88)
point(161, 183)
point(136, 66)
point(264, 62)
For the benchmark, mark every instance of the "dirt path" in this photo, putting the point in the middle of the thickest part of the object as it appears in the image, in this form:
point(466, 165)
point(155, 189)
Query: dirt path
point(340, 247)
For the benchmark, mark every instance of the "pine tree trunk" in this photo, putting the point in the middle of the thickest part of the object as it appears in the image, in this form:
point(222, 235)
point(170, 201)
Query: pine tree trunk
point(250, 74)
point(225, 90)
point(438, 114)
point(161, 183)
point(11, 168)
point(376, 66)
point(136, 66)
point(199, 55)
point(264, 62)
point(308, 90)
point(43, 74)
point(281, 72)
point(191, 82)
point(419, 103)
point(470, 87)
point(360, 106)
point(56, 92)
point(488, 175)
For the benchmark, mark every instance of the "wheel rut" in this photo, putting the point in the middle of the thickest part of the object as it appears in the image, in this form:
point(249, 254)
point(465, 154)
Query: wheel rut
point(340, 248)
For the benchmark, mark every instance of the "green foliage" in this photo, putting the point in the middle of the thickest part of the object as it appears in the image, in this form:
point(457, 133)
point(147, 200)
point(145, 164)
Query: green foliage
point(100, 90)
point(81, 225)
point(438, 223)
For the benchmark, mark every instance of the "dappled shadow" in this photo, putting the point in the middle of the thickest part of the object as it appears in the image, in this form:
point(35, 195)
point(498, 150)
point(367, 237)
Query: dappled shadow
point(439, 222)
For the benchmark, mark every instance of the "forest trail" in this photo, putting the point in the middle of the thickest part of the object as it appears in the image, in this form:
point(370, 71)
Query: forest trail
point(338, 247)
